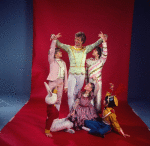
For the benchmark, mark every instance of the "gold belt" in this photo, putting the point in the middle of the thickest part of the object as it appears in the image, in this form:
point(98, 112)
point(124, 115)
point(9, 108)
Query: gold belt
point(77, 66)
point(77, 73)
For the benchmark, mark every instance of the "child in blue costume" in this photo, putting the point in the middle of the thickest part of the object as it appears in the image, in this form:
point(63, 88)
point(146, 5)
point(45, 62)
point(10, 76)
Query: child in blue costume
point(109, 120)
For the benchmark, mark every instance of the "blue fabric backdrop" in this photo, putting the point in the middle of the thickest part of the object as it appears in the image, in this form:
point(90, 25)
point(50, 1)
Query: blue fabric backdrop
point(16, 35)
point(139, 70)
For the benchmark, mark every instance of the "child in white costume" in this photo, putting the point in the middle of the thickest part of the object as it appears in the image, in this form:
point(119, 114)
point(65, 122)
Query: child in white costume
point(52, 112)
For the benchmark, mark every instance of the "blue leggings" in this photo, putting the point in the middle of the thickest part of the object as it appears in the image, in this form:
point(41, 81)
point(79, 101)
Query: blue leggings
point(97, 127)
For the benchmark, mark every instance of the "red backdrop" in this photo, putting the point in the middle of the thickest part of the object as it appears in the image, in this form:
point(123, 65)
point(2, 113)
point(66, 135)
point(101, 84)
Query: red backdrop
point(68, 17)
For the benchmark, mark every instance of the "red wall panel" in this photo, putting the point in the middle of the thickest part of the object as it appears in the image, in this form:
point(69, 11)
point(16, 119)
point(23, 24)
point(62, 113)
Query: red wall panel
point(68, 17)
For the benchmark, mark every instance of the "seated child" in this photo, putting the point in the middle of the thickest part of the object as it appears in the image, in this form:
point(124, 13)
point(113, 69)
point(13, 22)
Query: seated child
point(83, 109)
point(109, 120)
point(54, 124)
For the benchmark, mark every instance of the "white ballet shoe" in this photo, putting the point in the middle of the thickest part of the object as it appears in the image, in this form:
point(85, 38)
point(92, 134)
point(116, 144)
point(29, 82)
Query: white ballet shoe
point(86, 129)
point(70, 131)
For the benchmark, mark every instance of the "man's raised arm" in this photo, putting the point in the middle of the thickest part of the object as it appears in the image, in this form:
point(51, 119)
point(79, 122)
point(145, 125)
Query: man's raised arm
point(63, 46)
point(89, 48)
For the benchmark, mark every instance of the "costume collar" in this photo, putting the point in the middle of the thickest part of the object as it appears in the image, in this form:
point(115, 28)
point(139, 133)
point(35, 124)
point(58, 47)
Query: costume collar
point(57, 59)
point(77, 49)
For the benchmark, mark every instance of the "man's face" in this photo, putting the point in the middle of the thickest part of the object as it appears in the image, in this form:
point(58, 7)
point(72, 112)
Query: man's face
point(78, 41)
point(95, 52)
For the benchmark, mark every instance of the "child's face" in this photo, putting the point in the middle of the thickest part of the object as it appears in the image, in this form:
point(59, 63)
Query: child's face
point(58, 54)
point(104, 103)
point(88, 87)
point(95, 52)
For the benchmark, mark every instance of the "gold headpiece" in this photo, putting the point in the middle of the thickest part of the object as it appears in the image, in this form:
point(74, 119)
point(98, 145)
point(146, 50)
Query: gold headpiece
point(115, 100)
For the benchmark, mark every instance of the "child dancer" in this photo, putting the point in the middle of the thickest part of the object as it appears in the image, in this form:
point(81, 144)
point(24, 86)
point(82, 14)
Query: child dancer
point(83, 109)
point(58, 70)
point(94, 70)
point(52, 112)
point(54, 124)
point(109, 120)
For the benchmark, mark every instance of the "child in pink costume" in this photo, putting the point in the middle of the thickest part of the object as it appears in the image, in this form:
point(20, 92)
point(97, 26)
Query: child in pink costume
point(83, 109)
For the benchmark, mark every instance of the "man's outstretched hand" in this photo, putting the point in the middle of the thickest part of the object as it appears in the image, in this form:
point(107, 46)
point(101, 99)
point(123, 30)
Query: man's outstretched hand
point(55, 37)
point(58, 35)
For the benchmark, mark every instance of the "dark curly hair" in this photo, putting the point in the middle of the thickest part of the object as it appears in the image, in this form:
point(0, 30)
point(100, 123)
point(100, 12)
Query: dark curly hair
point(92, 86)
point(110, 101)
point(56, 50)
point(99, 50)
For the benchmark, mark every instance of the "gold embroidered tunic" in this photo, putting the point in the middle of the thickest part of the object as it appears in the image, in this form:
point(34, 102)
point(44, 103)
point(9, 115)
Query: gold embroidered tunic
point(77, 56)
point(109, 118)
